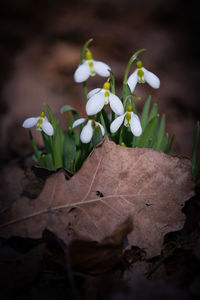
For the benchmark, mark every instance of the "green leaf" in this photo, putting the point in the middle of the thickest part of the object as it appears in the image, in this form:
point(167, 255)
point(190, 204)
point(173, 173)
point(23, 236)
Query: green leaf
point(57, 145)
point(153, 113)
point(49, 161)
point(82, 153)
point(145, 113)
point(47, 142)
point(69, 151)
point(78, 160)
point(168, 149)
point(106, 121)
point(66, 108)
point(164, 142)
point(102, 118)
point(148, 134)
point(42, 161)
point(127, 136)
point(77, 136)
point(69, 120)
point(158, 142)
point(85, 46)
point(126, 92)
point(97, 136)
point(57, 140)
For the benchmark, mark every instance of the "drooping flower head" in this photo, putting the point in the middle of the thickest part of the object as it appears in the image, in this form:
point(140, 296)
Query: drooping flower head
point(142, 75)
point(90, 67)
point(97, 98)
point(41, 123)
point(130, 119)
point(88, 130)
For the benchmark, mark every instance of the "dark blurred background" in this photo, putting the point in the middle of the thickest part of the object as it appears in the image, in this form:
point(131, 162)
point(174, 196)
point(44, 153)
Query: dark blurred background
point(40, 44)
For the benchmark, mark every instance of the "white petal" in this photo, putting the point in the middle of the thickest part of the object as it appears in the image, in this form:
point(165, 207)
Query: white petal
point(117, 123)
point(47, 127)
point(135, 125)
point(101, 68)
point(93, 92)
point(151, 79)
point(78, 122)
point(95, 104)
point(132, 81)
point(87, 133)
point(82, 73)
point(101, 127)
point(116, 104)
point(30, 122)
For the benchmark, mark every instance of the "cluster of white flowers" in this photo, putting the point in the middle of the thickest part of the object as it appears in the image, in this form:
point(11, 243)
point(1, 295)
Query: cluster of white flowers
point(98, 97)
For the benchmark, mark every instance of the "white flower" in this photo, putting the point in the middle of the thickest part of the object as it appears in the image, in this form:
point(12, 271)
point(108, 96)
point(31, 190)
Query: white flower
point(142, 75)
point(97, 98)
point(88, 129)
point(90, 67)
point(130, 120)
point(41, 123)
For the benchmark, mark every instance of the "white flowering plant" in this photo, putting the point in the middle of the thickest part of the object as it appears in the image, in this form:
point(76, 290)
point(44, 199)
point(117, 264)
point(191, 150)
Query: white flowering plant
point(120, 121)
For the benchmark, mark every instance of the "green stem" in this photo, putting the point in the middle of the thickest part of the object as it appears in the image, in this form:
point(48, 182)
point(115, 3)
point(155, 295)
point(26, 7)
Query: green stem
point(103, 122)
point(112, 82)
point(129, 97)
point(133, 57)
point(84, 49)
point(113, 116)
point(85, 91)
point(36, 151)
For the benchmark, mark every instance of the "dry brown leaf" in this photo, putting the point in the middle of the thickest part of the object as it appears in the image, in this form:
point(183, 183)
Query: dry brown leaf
point(113, 183)
point(96, 258)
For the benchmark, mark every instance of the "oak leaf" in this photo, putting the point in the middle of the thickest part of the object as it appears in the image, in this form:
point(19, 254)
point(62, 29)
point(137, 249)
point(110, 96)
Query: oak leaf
point(114, 183)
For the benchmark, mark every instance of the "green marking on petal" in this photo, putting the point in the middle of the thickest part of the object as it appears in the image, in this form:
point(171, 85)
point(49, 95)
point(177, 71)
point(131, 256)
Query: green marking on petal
point(91, 64)
point(40, 121)
point(91, 68)
point(106, 94)
point(140, 74)
point(128, 118)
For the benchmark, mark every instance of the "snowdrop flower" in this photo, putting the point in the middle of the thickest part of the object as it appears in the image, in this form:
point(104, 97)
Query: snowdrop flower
point(142, 75)
point(88, 129)
point(41, 123)
point(99, 97)
point(90, 67)
point(130, 120)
